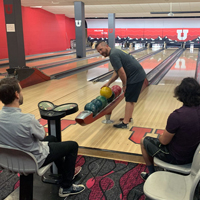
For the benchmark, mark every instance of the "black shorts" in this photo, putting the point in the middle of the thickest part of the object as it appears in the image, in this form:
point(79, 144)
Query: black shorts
point(155, 149)
point(133, 91)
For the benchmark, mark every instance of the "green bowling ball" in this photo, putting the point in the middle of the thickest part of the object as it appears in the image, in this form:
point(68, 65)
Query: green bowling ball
point(91, 107)
point(103, 100)
point(98, 104)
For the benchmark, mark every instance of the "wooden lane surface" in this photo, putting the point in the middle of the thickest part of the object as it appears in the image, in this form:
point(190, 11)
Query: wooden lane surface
point(55, 59)
point(184, 67)
point(156, 59)
point(102, 140)
point(151, 111)
point(73, 65)
point(47, 61)
point(40, 55)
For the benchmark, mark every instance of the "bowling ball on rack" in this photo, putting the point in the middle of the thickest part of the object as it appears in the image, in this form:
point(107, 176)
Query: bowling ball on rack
point(103, 100)
point(91, 107)
point(111, 98)
point(106, 92)
point(116, 88)
point(98, 104)
point(116, 92)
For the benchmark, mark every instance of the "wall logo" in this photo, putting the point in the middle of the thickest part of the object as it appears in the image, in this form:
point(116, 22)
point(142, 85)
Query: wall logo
point(78, 23)
point(9, 8)
point(110, 30)
point(179, 32)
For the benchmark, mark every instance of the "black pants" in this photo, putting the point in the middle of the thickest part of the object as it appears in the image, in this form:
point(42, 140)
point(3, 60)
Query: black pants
point(64, 155)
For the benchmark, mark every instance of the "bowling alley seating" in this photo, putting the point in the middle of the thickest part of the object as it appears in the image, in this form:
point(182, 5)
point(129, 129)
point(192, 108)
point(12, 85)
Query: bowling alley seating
point(168, 185)
point(24, 163)
point(182, 169)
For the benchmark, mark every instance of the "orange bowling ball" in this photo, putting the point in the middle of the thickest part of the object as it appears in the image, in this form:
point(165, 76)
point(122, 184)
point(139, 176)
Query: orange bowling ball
point(106, 92)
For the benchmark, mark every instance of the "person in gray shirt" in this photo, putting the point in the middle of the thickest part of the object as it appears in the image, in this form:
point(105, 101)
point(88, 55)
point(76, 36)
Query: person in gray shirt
point(131, 74)
point(24, 132)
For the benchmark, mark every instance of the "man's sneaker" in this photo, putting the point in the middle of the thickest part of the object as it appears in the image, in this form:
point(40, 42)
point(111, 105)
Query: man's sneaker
point(120, 125)
point(74, 189)
point(77, 171)
point(130, 120)
point(144, 175)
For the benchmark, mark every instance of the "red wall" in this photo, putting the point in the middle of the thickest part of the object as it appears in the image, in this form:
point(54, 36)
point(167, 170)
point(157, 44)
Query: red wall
point(43, 31)
point(70, 30)
point(171, 33)
point(3, 38)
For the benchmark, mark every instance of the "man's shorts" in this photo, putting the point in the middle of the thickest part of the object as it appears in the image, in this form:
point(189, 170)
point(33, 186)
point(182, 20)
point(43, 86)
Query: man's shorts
point(155, 149)
point(133, 91)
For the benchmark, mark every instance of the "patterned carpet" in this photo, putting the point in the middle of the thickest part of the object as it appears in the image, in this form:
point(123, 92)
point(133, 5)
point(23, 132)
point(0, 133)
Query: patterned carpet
point(104, 180)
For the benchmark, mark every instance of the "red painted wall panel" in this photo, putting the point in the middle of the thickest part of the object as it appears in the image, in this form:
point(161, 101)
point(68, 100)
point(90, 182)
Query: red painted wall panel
point(43, 31)
point(3, 38)
point(148, 33)
point(70, 30)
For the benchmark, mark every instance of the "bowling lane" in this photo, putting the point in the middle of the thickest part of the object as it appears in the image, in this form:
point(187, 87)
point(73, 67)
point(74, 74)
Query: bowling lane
point(41, 61)
point(156, 59)
point(102, 69)
point(185, 66)
point(39, 55)
point(147, 64)
point(77, 64)
point(56, 59)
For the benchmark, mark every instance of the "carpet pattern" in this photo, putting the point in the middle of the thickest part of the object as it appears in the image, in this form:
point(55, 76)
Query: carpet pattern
point(109, 179)
point(8, 183)
point(104, 180)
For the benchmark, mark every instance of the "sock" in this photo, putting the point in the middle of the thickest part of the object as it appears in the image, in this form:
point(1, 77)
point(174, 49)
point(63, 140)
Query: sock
point(151, 169)
point(124, 123)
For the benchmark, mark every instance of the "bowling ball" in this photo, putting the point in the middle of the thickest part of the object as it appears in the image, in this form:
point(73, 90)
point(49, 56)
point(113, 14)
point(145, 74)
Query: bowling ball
point(106, 92)
point(117, 88)
point(111, 98)
point(103, 100)
point(98, 104)
point(116, 92)
point(91, 107)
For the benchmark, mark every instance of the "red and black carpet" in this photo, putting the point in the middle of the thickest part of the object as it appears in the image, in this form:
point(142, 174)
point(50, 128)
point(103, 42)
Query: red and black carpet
point(104, 180)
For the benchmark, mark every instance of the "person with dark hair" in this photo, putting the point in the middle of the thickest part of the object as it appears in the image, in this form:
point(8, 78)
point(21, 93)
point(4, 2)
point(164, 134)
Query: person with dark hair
point(24, 132)
point(181, 136)
point(131, 73)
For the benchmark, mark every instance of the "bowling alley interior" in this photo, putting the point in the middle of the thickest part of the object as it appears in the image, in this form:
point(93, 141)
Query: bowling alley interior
point(49, 46)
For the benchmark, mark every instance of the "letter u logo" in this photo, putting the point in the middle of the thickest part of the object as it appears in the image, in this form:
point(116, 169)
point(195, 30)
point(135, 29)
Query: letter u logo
point(9, 8)
point(78, 23)
point(110, 30)
point(184, 34)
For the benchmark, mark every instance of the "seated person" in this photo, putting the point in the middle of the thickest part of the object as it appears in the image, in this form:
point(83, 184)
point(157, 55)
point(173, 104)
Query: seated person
point(181, 137)
point(23, 131)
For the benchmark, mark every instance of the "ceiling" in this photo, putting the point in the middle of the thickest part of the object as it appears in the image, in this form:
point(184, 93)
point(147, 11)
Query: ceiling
point(121, 8)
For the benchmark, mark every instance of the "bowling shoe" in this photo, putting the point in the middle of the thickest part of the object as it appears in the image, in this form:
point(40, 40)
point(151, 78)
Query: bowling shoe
point(120, 125)
point(74, 189)
point(144, 175)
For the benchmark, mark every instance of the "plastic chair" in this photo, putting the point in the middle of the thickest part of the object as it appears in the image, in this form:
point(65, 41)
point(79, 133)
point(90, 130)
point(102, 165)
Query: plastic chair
point(167, 185)
point(182, 169)
point(24, 163)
